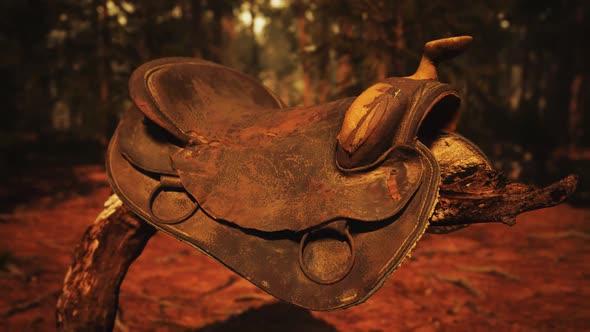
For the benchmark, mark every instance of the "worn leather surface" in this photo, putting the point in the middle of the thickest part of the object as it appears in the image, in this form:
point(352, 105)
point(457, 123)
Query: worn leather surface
point(145, 144)
point(265, 178)
point(275, 181)
point(270, 259)
point(192, 98)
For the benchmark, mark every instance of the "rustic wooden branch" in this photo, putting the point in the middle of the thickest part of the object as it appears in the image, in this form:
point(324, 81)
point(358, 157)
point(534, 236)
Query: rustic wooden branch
point(498, 203)
point(90, 293)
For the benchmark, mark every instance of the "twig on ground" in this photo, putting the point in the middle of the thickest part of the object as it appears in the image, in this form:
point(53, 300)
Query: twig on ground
point(26, 305)
point(461, 283)
point(491, 270)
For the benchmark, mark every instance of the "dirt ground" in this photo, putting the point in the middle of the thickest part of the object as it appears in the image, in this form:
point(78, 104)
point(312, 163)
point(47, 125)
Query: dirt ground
point(530, 277)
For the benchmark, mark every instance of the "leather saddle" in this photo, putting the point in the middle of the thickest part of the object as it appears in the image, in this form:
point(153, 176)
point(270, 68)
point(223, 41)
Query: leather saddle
point(315, 205)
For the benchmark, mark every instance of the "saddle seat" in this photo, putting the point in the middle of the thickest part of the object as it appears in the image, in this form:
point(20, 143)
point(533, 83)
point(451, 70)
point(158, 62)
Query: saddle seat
point(277, 194)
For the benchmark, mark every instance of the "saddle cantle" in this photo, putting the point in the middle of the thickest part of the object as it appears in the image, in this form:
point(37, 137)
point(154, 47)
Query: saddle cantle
point(315, 205)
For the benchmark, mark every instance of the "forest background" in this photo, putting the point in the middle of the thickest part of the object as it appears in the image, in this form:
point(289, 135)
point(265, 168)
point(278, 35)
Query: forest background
point(525, 83)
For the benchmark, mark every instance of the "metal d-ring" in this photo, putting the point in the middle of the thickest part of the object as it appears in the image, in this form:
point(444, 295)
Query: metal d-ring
point(170, 183)
point(342, 231)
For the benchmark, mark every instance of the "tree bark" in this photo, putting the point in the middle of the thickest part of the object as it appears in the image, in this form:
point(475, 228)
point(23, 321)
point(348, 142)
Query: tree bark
point(104, 71)
point(90, 293)
point(457, 210)
point(89, 297)
point(302, 42)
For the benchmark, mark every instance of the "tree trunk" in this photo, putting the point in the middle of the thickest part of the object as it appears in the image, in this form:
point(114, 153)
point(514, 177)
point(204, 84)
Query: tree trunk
point(302, 42)
point(400, 40)
point(228, 22)
point(323, 67)
point(104, 71)
point(345, 77)
point(192, 13)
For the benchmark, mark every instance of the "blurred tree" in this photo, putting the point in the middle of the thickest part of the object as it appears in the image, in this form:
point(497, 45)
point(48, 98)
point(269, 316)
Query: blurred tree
point(68, 61)
point(26, 89)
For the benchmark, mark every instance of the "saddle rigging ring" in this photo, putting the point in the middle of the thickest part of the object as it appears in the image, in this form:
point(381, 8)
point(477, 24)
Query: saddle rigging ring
point(313, 248)
point(168, 182)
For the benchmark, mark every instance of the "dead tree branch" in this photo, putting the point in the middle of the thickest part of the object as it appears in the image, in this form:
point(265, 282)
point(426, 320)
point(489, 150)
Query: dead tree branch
point(90, 293)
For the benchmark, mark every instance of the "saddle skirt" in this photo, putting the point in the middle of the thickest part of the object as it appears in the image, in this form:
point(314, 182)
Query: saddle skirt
point(278, 194)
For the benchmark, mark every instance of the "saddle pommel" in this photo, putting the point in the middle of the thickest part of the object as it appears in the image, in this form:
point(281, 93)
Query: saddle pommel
point(390, 113)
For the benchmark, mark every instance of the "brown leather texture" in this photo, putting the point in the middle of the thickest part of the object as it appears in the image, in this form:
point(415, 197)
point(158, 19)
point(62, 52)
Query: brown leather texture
point(276, 181)
point(190, 97)
point(270, 260)
point(212, 157)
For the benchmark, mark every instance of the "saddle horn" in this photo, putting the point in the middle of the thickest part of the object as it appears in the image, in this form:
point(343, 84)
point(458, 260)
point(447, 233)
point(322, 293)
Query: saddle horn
point(437, 51)
point(374, 121)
